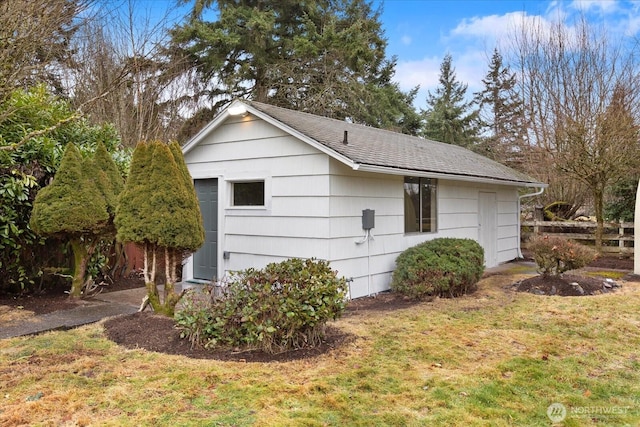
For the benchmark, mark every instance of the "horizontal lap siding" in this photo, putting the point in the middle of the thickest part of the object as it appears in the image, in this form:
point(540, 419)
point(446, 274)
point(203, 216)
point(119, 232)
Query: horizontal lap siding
point(370, 265)
point(457, 210)
point(295, 222)
point(315, 207)
point(458, 206)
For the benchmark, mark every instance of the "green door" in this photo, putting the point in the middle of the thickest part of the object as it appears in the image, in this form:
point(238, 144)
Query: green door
point(205, 260)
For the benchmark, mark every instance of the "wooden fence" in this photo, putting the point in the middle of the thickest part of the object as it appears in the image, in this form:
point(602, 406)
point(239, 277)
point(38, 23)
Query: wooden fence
point(617, 237)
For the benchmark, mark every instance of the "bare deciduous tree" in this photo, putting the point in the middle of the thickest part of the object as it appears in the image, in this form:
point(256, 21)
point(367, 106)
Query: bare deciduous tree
point(34, 39)
point(118, 61)
point(581, 93)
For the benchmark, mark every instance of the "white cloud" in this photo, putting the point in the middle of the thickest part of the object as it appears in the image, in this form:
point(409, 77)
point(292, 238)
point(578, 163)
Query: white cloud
point(598, 6)
point(423, 72)
point(489, 27)
point(472, 41)
point(406, 40)
point(633, 26)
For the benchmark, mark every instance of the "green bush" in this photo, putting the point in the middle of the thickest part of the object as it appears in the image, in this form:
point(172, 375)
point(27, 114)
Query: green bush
point(445, 267)
point(34, 130)
point(555, 255)
point(285, 305)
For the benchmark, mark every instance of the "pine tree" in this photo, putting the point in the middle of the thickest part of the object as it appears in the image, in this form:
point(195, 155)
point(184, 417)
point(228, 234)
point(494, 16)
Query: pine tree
point(449, 117)
point(324, 57)
point(501, 111)
point(166, 221)
point(73, 208)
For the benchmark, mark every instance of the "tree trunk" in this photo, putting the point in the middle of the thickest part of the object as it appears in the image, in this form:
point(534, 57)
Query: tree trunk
point(150, 277)
point(171, 298)
point(167, 304)
point(598, 204)
point(80, 259)
point(260, 89)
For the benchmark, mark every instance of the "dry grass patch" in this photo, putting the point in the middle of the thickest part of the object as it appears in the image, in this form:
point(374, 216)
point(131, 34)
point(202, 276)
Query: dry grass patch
point(496, 357)
point(11, 315)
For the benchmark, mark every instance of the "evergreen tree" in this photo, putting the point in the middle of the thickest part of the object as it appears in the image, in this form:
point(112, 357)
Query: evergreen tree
point(72, 208)
point(621, 203)
point(501, 111)
point(166, 221)
point(325, 57)
point(449, 117)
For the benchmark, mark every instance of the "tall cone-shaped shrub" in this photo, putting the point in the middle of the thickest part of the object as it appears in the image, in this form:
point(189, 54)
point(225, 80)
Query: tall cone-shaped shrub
point(159, 210)
point(72, 208)
point(109, 182)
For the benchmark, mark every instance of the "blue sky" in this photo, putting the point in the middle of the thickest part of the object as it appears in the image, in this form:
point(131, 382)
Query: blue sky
point(421, 32)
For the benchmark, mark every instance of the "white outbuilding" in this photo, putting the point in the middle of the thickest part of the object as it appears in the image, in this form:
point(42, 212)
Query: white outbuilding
point(275, 183)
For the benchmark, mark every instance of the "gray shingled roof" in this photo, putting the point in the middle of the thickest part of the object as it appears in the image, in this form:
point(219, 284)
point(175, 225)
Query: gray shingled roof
point(381, 148)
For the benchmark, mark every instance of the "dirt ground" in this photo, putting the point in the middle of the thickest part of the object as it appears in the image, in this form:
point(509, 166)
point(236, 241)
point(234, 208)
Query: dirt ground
point(158, 333)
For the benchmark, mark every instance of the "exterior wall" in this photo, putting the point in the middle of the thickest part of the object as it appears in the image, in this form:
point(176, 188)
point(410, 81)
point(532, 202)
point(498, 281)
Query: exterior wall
point(295, 219)
point(370, 264)
point(458, 214)
point(314, 207)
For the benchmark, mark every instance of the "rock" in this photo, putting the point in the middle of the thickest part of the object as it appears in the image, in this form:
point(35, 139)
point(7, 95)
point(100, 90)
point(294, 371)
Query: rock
point(577, 287)
point(554, 290)
point(610, 283)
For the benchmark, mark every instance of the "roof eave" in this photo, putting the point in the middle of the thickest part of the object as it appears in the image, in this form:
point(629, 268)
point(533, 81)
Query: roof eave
point(454, 177)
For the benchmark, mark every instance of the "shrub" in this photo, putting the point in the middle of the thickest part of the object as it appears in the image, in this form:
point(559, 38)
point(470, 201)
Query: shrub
point(446, 267)
point(555, 255)
point(285, 305)
point(35, 128)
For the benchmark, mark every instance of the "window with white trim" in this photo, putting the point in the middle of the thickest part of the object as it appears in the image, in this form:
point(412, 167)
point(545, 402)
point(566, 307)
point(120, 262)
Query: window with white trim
point(420, 213)
point(247, 193)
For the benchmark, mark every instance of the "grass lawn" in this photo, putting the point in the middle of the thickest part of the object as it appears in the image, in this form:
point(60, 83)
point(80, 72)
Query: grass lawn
point(494, 358)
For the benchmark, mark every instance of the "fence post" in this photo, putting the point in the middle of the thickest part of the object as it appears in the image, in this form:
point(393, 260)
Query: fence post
point(621, 235)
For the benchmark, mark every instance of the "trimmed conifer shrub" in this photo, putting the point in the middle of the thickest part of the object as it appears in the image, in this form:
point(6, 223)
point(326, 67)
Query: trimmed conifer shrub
point(159, 210)
point(444, 267)
point(134, 196)
point(109, 180)
point(74, 209)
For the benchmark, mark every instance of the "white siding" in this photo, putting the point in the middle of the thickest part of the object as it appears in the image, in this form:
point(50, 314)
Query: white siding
point(371, 264)
point(314, 207)
point(295, 219)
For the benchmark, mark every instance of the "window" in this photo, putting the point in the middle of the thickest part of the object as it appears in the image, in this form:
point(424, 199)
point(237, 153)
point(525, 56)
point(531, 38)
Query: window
point(248, 193)
point(420, 205)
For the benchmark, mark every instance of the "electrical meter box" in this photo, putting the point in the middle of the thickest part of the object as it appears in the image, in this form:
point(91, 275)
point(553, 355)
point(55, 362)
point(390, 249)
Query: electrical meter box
point(368, 219)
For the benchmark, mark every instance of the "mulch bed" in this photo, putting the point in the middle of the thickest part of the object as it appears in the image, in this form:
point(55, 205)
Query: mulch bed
point(567, 285)
point(159, 333)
